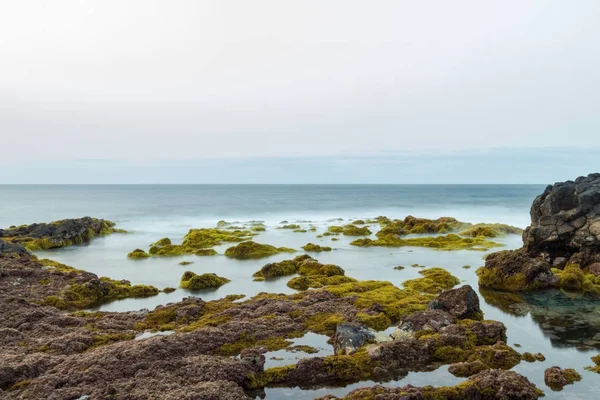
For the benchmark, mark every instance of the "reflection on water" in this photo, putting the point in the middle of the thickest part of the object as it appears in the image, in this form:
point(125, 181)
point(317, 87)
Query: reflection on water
point(568, 320)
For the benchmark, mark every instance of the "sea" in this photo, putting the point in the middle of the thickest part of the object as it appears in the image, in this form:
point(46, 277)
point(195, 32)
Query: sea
point(563, 327)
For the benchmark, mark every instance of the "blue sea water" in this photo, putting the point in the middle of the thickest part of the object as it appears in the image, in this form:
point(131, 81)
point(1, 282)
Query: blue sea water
point(563, 332)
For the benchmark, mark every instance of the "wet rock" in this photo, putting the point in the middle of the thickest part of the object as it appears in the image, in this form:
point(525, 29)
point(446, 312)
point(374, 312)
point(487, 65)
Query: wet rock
point(12, 248)
point(432, 320)
point(461, 303)
point(486, 385)
point(556, 378)
point(348, 338)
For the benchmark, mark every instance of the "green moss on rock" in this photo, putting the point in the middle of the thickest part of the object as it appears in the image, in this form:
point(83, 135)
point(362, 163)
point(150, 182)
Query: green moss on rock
point(138, 254)
point(315, 248)
point(250, 249)
point(191, 281)
point(447, 242)
point(434, 281)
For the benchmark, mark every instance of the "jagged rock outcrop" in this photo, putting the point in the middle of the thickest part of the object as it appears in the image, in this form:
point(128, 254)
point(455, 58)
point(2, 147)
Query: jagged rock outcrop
point(564, 230)
point(55, 234)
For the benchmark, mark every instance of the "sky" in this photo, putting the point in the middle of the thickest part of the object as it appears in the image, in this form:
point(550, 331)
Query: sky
point(301, 92)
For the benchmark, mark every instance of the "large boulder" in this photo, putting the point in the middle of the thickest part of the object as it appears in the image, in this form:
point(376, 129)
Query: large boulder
point(565, 229)
point(565, 218)
point(461, 303)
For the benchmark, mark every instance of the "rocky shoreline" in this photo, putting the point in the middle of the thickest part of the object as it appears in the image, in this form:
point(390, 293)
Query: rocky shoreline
point(52, 348)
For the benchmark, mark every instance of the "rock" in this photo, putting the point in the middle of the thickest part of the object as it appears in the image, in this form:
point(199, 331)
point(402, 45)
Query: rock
point(58, 233)
point(491, 384)
point(348, 338)
point(594, 269)
point(432, 320)
point(9, 248)
point(461, 303)
point(564, 230)
point(565, 218)
point(556, 378)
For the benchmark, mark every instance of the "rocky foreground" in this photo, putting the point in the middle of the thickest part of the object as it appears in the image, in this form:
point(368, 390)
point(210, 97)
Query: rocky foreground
point(215, 350)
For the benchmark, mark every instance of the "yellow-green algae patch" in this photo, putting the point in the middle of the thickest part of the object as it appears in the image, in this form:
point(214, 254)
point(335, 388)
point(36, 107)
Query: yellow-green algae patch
point(447, 242)
point(570, 279)
point(198, 242)
point(289, 226)
point(434, 281)
point(85, 295)
point(350, 230)
point(138, 254)
point(315, 248)
point(490, 230)
point(392, 301)
point(191, 281)
point(596, 368)
point(282, 268)
point(250, 249)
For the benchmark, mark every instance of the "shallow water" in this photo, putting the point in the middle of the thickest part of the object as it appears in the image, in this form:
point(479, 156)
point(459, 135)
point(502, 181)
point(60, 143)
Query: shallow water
point(561, 327)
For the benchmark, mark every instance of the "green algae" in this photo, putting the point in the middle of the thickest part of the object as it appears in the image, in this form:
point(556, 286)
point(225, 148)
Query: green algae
point(85, 295)
point(315, 248)
point(138, 254)
point(393, 302)
point(191, 281)
point(596, 368)
point(317, 281)
point(206, 252)
point(434, 281)
point(282, 268)
point(162, 242)
point(447, 242)
point(289, 226)
point(169, 290)
point(110, 338)
point(165, 318)
point(302, 348)
point(184, 263)
point(490, 230)
point(250, 250)
point(349, 230)
point(247, 340)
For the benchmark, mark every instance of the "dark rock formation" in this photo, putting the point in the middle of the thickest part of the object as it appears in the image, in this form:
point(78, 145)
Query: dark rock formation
point(350, 337)
point(9, 248)
point(565, 229)
point(461, 303)
point(565, 219)
point(556, 378)
point(62, 233)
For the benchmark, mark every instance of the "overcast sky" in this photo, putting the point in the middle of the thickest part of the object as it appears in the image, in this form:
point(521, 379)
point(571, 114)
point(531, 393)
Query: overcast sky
point(147, 85)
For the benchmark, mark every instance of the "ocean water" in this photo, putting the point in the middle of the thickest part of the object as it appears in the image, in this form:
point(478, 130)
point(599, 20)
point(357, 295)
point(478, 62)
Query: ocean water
point(560, 327)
